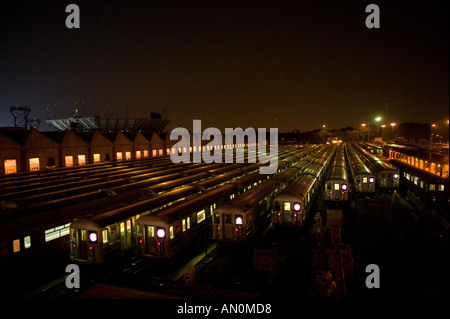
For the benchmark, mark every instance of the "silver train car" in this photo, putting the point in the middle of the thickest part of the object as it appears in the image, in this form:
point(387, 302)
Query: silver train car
point(388, 177)
point(363, 178)
point(336, 184)
point(294, 203)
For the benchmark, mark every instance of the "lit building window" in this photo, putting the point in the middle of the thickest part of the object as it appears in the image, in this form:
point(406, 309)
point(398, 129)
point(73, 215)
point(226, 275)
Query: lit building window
point(145, 153)
point(68, 160)
point(10, 166)
point(161, 152)
point(154, 153)
point(96, 158)
point(127, 155)
point(119, 156)
point(34, 164)
point(81, 159)
point(138, 154)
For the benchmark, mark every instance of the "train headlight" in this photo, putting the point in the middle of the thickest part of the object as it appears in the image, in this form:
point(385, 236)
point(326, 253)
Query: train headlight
point(344, 187)
point(238, 220)
point(93, 237)
point(297, 207)
point(371, 180)
point(161, 233)
point(396, 176)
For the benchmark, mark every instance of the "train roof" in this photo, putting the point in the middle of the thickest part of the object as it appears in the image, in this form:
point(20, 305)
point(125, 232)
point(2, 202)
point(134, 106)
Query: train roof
point(337, 172)
point(300, 186)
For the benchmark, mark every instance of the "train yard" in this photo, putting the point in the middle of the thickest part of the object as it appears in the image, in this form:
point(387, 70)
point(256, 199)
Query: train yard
point(219, 231)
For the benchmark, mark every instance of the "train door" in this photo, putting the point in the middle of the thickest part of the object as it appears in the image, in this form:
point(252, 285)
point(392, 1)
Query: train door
point(287, 213)
point(336, 191)
point(227, 226)
point(125, 234)
point(150, 240)
point(82, 244)
point(365, 184)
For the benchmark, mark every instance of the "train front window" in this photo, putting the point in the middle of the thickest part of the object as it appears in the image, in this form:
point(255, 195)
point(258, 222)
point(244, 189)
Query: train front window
point(105, 236)
point(83, 234)
point(432, 187)
point(216, 219)
point(227, 219)
point(336, 187)
point(287, 205)
point(277, 206)
point(151, 231)
point(364, 180)
point(441, 187)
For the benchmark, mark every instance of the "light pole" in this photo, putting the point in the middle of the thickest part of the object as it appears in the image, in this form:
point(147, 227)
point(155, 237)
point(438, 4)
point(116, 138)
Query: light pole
point(431, 136)
point(377, 120)
point(393, 126)
point(363, 125)
point(382, 132)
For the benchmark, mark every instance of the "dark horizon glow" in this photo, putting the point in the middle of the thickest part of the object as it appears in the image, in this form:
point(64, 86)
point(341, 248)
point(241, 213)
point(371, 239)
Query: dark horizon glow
point(228, 63)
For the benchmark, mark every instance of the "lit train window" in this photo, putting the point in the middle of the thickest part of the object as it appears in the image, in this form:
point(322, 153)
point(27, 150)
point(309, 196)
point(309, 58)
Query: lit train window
point(432, 187)
point(441, 187)
point(336, 187)
point(408, 177)
point(151, 231)
point(183, 224)
point(364, 180)
point(16, 245)
point(421, 184)
point(105, 235)
point(59, 231)
point(122, 228)
point(200, 216)
point(287, 206)
point(27, 242)
point(416, 180)
point(83, 234)
point(171, 232)
point(128, 225)
point(188, 222)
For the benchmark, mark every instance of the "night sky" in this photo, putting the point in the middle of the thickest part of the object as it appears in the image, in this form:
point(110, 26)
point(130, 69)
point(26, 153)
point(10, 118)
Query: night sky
point(228, 63)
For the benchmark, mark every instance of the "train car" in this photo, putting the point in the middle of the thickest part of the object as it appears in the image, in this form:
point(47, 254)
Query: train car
point(294, 203)
point(363, 178)
point(239, 219)
point(387, 176)
point(336, 184)
point(431, 189)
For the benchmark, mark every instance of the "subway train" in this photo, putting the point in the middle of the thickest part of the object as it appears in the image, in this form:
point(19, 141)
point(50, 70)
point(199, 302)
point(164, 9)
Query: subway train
point(363, 178)
point(387, 176)
point(431, 189)
point(292, 205)
point(336, 184)
point(117, 230)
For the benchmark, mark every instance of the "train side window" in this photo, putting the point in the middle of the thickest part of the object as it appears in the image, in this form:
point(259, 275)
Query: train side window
point(27, 242)
point(432, 187)
point(408, 177)
point(441, 187)
point(105, 236)
point(138, 229)
point(16, 245)
point(216, 219)
point(129, 225)
point(83, 234)
point(201, 216)
point(183, 224)
point(151, 231)
point(171, 232)
point(336, 187)
point(416, 180)
point(328, 186)
point(122, 228)
point(421, 184)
